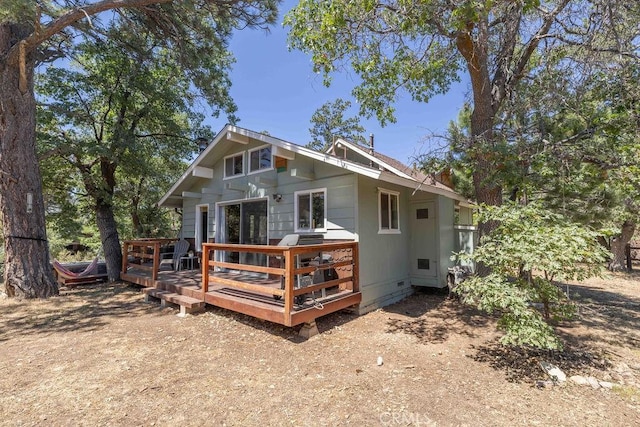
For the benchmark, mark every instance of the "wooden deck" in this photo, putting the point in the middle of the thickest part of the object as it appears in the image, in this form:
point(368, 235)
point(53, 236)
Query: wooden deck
point(273, 292)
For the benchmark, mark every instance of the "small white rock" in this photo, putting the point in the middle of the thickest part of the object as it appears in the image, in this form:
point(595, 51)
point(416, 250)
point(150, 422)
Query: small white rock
point(380, 361)
point(593, 382)
point(606, 384)
point(554, 372)
point(579, 379)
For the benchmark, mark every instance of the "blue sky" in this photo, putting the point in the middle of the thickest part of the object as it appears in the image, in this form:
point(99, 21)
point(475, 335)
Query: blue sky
point(277, 91)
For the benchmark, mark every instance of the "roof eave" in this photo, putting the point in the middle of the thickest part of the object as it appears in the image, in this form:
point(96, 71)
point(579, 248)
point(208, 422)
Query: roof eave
point(372, 158)
point(417, 186)
point(170, 199)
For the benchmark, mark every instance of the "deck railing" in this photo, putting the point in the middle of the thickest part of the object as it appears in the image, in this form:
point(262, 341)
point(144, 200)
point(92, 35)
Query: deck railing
point(289, 270)
point(144, 251)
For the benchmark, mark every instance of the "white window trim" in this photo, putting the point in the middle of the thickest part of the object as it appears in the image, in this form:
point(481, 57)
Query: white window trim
point(224, 165)
point(389, 230)
point(296, 210)
point(249, 171)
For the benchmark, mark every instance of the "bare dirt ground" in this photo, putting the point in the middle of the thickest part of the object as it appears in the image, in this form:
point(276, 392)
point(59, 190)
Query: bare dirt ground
point(99, 355)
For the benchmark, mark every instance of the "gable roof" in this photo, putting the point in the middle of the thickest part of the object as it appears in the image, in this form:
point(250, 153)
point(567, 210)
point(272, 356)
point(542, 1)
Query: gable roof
point(388, 170)
point(391, 164)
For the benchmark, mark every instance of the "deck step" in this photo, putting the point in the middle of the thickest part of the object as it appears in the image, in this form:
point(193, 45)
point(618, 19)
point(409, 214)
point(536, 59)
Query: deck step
point(187, 304)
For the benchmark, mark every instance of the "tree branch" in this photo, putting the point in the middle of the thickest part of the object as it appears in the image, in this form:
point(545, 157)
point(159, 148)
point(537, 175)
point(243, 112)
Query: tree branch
point(532, 45)
point(36, 38)
point(164, 135)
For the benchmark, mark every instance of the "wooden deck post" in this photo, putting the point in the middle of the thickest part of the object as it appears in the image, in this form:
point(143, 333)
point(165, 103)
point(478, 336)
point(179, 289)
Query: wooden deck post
point(289, 280)
point(356, 269)
point(204, 265)
point(156, 260)
point(627, 253)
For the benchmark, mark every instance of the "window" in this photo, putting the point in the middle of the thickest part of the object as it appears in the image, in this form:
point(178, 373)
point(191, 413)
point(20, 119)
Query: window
point(388, 211)
point(234, 165)
point(310, 210)
point(260, 159)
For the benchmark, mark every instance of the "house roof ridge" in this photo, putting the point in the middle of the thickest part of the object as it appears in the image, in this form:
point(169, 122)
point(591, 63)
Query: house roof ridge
point(393, 163)
point(388, 169)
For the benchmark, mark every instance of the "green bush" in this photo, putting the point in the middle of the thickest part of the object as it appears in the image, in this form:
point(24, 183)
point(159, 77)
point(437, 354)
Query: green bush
point(527, 253)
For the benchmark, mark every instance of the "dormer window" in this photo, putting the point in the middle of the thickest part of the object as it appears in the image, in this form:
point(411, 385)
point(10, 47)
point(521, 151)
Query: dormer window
point(260, 159)
point(234, 165)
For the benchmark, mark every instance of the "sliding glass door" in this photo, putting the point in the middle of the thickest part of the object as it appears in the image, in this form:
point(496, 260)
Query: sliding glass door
point(245, 223)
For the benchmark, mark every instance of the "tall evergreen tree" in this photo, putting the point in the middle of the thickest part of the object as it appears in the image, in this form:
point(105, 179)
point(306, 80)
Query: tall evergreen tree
point(329, 123)
point(423, 46)
point(127, 116)
point(36, 31)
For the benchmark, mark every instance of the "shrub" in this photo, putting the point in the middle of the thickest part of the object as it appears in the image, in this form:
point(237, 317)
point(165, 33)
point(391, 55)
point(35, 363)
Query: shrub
point(527, 253)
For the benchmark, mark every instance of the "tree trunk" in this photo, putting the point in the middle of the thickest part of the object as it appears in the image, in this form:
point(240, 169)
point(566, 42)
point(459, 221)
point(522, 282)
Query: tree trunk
point(138, 229)
point(475, 52)
point(110, 240)
point(27, 270)
point(618, 245)
point(100, 189)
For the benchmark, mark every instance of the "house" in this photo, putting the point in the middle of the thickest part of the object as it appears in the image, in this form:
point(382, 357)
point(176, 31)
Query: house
point(251, 188)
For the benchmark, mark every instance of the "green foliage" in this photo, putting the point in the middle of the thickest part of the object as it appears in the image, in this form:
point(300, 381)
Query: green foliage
point(420, 48)
point(529, 250)
point(87, 236)
point(532, 239)
point(329, 123)
point(17, 11)
point(116, 129)
point(389, 45)
point(452, 155)
point(576, 142)
point(567, 142)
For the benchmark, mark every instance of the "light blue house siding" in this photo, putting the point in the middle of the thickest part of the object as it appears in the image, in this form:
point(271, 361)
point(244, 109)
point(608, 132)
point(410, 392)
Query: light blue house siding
point(386, 274)
point(384, 258)
point(391, 264)
point(340, 185)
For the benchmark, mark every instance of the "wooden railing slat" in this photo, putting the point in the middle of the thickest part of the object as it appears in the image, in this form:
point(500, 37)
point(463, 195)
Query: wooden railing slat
point(141, 267)
point(319, 286)
point(265, 249)
point(248, 267)
point(246, 286)
point(144, 249)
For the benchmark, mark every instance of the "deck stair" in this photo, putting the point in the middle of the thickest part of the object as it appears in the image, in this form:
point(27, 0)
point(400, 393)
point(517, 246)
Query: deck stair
point(188, 305)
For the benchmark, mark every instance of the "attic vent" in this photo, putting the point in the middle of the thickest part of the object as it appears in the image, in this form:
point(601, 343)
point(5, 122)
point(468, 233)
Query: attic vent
point(422, 213)
point(423, 264)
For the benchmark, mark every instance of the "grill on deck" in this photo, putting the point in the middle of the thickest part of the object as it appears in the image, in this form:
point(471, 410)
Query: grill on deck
point(301, 239)
point(323, 262)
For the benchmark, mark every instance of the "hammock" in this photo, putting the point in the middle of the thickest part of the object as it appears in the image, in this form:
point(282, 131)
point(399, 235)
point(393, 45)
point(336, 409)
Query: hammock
point(64, 272)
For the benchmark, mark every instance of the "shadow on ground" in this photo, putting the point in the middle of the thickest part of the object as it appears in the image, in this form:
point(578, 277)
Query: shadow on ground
point(324, 324)
point(82, 308)
point(521, 364)
point(606, 320)
point(432, 317)
point(610, 317)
